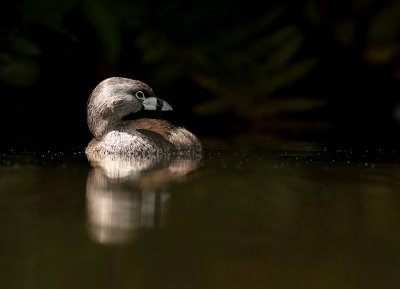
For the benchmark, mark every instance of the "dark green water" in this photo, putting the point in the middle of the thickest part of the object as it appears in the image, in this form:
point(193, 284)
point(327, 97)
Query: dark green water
point(250, 214)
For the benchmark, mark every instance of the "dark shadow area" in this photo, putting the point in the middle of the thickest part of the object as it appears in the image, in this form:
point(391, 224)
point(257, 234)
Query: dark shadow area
point(309, 70)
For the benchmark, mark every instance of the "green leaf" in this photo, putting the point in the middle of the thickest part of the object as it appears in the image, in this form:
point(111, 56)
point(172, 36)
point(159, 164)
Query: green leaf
point(269, 84)
point(18, 72)
point(214, 106)
point(296, 104)
point(23, 45)
point(104, 20)
point(155, 47)
point(272, 51)
point(48, 13)
point(243, 33)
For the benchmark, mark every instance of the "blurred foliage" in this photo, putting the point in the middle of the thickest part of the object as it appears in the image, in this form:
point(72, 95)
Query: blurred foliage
point(246, 77)
point(244, 57)
point(242, 67)
point(103, 18)
point(17, 66)
point(371, 27)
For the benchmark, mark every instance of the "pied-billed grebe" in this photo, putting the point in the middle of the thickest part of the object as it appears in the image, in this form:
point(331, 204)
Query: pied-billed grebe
point(115, 136)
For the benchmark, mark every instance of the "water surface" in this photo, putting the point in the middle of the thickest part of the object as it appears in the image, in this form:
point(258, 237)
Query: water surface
point(252, 213)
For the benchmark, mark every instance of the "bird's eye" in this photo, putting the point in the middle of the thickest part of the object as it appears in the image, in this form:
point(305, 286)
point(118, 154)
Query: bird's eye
point(140, 95)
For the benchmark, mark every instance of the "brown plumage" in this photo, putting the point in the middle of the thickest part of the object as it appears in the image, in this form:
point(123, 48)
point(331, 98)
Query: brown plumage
point(114, 137)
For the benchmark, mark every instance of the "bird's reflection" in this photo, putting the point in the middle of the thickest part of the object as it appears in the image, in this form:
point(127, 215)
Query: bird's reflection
point(126, 195)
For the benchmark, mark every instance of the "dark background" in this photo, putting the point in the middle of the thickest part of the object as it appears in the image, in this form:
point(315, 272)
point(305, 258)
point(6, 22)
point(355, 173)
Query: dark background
point(306, 70)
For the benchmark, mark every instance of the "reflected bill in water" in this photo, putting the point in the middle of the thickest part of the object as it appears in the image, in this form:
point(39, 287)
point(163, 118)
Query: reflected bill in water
point(126, 195)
